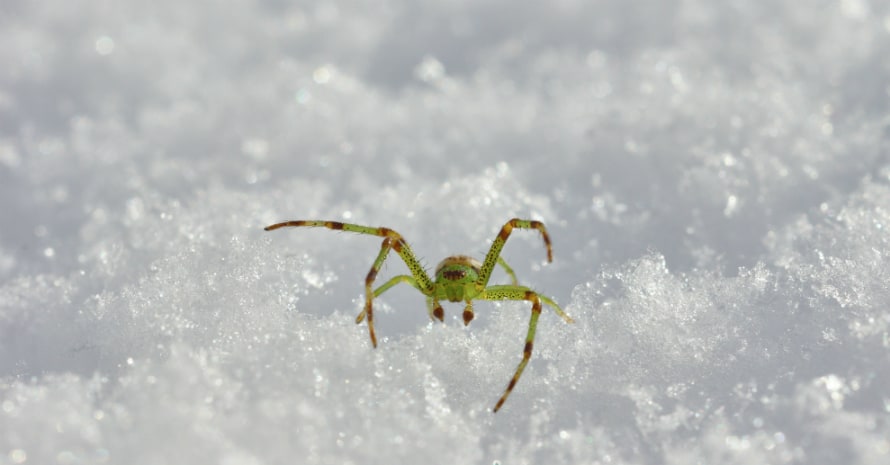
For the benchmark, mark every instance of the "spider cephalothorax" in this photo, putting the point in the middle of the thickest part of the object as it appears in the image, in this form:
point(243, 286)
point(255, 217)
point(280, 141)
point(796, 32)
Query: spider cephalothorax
point(458, 278)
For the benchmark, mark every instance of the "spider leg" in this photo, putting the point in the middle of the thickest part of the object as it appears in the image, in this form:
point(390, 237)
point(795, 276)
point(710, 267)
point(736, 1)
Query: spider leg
point(495, 251)
point(545, 299)
point(392, 240)
point(402, 278)
point(509, 271)
point(507, 292)
point(556, 308)
point(369, 294)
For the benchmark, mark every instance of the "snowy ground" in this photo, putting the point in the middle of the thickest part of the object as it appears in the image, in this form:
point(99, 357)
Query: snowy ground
point(715, 177)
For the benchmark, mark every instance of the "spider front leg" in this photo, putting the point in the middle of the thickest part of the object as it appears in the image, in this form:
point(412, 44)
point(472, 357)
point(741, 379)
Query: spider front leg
point(494, 253)
point(508, 292)
point(368, 311)
point(392, 241)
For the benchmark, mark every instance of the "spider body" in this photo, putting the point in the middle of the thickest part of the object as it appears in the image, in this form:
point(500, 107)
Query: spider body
point(458, 278)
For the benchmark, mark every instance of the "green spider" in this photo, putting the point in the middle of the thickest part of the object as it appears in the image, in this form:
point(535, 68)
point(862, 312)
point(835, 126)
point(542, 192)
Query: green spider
point(458, 278)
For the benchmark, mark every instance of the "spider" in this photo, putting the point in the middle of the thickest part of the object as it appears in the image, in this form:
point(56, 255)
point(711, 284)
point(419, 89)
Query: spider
point(458, 278)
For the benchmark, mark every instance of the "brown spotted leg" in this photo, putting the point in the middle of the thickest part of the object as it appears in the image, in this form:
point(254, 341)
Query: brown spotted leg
point(392, 240)
point(494, 253)
point(508, 292)
point(369, 285)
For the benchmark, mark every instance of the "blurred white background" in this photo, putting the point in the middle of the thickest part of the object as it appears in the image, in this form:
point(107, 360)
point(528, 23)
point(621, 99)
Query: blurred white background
point(714, 175)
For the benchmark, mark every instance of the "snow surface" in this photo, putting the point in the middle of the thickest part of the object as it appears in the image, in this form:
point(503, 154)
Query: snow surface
point(714, 175)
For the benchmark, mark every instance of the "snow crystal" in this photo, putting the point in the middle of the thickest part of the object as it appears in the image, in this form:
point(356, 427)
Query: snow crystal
point(714, 178)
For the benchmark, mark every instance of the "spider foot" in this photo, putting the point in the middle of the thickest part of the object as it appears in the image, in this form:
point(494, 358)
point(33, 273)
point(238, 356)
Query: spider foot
point(361, 317)
point(373, 336)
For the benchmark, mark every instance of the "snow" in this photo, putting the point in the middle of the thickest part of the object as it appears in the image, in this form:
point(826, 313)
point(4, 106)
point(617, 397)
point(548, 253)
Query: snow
point(714, 176)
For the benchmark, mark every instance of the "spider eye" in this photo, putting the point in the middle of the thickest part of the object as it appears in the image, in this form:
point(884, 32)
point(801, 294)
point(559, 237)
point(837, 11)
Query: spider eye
point(454, 275)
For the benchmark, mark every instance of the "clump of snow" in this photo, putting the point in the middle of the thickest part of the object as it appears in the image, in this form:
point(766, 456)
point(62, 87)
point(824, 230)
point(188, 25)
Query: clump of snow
point(714, 178)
